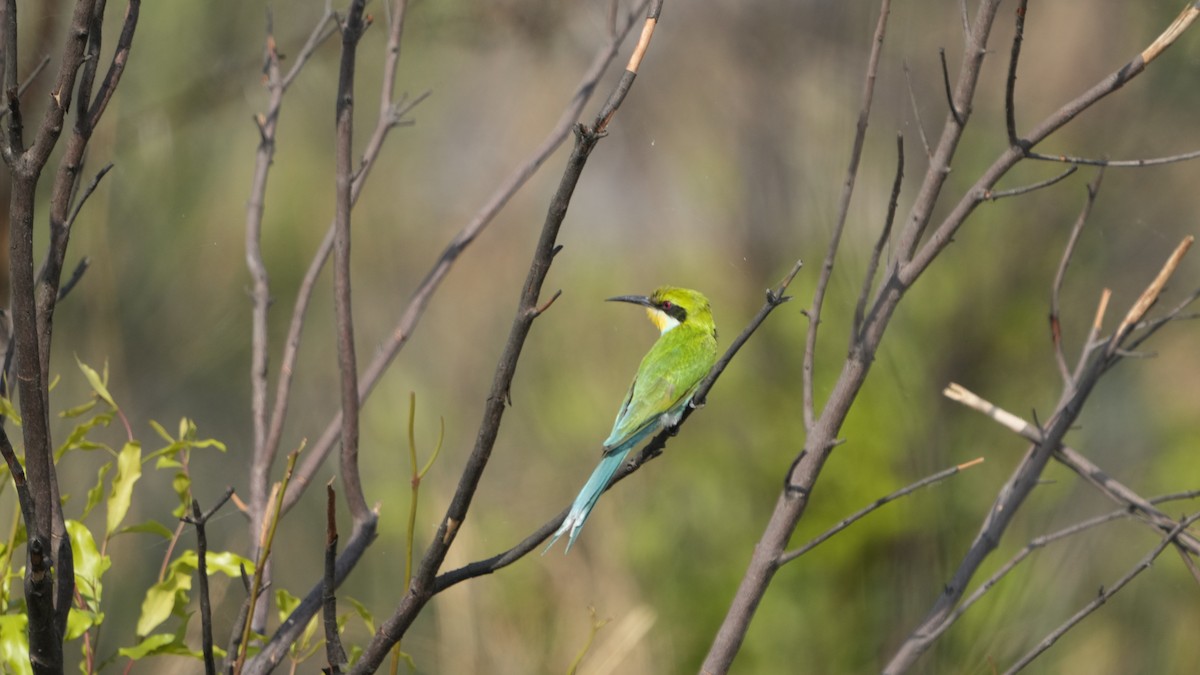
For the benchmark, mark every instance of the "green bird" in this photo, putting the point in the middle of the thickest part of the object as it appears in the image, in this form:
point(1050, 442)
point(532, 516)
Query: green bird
point(670, 372)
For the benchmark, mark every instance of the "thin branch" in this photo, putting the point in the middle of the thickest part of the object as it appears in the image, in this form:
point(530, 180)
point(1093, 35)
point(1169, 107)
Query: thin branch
point(277, 85)
point(411, 316)
point(96, 106)
point(80, 269)
point(858, 515)
point(1149, 296)
point(1089, 161)
point(1102, 597)
point(1060, 357)
point(860, 134)
point(880, 243)
point(1010, 112)
point(334, 653)
point(992, 196)
point(958, 117)
point(1033, 545)
point(87, 192)
point(29, 79)
point(912, 97)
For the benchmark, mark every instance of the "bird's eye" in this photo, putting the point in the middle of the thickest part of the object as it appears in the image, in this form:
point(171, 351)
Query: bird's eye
point(666, 304)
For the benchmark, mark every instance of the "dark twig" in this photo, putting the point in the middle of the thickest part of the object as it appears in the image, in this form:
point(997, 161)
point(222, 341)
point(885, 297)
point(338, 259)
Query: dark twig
point(775, 297)
point(87, 192)
point(880, 243)
point(1010, 112)
point(860, 134)
point(334, 652)
point(1093, 189)
point(80, 269)
point(199, 520)
point(958, 118)
point(858, 515)
point(1102, 597)
point(992, 196)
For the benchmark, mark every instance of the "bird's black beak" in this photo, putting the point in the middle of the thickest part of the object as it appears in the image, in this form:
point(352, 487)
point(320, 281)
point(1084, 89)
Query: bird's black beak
point(634, 299)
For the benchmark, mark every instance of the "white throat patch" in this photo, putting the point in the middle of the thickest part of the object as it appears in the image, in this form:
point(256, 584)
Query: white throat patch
point(663, 321)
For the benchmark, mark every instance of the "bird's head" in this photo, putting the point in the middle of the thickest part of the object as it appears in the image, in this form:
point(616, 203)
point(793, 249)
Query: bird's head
point(669, 307)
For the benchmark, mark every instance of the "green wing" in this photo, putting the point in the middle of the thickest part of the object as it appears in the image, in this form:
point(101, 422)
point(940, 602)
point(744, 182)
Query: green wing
point(667, 377)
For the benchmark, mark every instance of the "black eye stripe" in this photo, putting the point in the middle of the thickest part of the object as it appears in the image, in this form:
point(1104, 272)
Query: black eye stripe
point(673, 310)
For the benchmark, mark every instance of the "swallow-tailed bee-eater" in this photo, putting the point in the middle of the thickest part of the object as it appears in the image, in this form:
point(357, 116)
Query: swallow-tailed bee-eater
point(670, 372)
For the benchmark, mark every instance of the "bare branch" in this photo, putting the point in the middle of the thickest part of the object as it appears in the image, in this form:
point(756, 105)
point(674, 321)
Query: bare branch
point(860, 134)
point(877, 251)
point(411, 316)
point(1135, 163)
point(1102, 598)
point(954, 113)
point(858, 515)
point(991, 196)
point(1010, 112)
point(29, 79)
point(1093, 189)
point(352, 30)
point(912, 97)
point(1081, 465)
point(334, 653)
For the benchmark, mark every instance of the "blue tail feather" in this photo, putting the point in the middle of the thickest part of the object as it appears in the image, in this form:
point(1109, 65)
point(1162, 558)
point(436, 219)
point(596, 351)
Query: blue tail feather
point(591, 492)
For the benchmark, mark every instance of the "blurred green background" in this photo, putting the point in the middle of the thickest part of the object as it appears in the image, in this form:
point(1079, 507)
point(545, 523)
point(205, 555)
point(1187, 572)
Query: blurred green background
point(723, 167)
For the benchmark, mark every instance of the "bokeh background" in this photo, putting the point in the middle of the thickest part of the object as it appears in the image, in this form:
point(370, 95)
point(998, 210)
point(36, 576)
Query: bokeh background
point(722, 168)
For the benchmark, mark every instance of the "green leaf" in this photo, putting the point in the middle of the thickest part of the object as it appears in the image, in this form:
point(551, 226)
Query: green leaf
point(79, 621)
point(97, 382)
point(158, 428)
point(90, 566)
point(363, 613)
point(153, 644)
point(78, 438)
point(129, 470)
point(162, 598)
point(229, 564)
point(14, 644)
point(9, 410)
point(148, 527)
point(286, 602)
point(96, 493)
point(78, 410)
point(182, 484)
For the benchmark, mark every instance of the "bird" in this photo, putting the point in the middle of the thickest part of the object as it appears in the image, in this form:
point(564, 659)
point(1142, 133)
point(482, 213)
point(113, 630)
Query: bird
point(667, 378)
